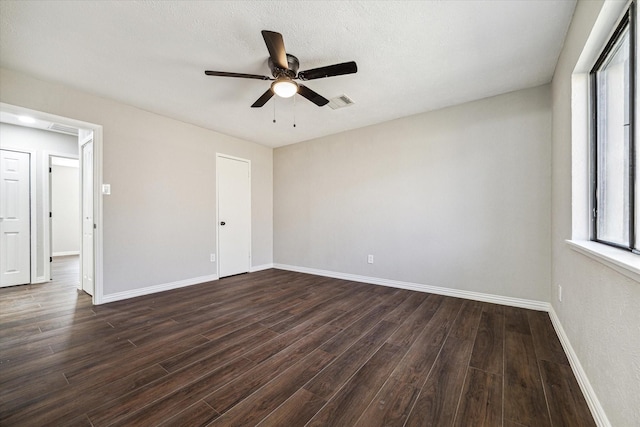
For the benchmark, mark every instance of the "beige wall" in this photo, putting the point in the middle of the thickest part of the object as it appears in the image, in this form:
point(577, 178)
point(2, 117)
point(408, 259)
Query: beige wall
point(600, 308)
point(159, 221)
point(456, 198)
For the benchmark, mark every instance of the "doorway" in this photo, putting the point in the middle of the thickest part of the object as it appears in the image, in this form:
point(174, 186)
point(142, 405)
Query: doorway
point(64, 222)
point(233, 176)
point(41, 253)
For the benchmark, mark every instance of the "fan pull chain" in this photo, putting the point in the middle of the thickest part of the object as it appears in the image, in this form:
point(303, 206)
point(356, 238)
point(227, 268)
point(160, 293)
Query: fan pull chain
point(294, 111)
point(274, 111)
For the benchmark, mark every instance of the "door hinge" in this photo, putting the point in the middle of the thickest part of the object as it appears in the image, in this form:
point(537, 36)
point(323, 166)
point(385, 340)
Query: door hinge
point(95, 226)
point(50, 214)
point(49, 170)
point(595, 212)
point(50, 259)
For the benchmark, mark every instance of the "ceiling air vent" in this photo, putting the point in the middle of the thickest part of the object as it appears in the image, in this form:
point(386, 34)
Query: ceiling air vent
point(56, 127)
point(340, 102)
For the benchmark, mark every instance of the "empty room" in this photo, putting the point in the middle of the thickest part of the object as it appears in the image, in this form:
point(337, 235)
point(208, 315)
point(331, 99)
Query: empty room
point(319, 213)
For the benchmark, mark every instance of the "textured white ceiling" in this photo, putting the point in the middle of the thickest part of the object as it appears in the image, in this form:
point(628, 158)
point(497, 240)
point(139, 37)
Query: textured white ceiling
point(412, 56)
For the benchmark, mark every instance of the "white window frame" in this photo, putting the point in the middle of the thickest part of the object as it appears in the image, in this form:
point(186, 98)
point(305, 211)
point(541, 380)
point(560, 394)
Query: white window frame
point(620, 260)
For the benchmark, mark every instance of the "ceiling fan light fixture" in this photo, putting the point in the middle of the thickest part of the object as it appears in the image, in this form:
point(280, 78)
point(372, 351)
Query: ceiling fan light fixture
point(284, 87)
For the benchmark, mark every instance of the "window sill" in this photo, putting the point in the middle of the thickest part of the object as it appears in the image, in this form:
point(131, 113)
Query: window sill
point(622, 261)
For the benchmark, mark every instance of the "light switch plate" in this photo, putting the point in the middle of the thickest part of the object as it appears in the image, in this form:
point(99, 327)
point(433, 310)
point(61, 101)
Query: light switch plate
point(106, 188)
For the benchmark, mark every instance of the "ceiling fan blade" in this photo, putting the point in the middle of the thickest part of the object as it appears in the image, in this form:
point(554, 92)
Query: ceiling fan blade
point(241, 75)
point(312, 96)
point(329, 71)
point(263, 99)
point(275, 45)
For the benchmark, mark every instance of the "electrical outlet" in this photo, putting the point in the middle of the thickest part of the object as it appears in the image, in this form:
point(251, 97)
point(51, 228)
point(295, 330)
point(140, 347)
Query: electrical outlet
point(559, 293)
point(213, 257)
point(370, 259)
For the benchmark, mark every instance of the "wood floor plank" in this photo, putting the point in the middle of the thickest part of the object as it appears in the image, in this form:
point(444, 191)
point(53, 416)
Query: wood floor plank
point(545, 340)
point(346, 406)
point(567, 405)
point(233, 393)
point(261, 403)
point(128, 404)
point(326, 383)
point(37, 385)
point(136, 359)
point(438, 400)
point(353, 332)
point(71, 402)
point(29, 375)
point(415, 367)
point(190, 393)
point(488, 347)
point(223, 349)
point(412, 324)
point(392, 405)
point(523, 393)
point(515, 320)
point(197, 415)
point(481, 400)
point(295, 411)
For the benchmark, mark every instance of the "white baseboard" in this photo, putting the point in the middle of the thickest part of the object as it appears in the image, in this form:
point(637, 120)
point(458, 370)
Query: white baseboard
point(599, 416)
point(476, 296)
point(260, 267)
point(65, 253)
point(157, 288)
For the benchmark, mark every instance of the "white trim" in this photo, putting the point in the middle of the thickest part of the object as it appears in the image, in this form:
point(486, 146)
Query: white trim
point(97, 217)
point(255, 268)
point(476, 296)
point(622, 261)
point(157, 288)
point(599, 416)
point(65, 253)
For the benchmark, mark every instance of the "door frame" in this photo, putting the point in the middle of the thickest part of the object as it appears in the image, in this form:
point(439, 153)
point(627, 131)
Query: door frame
point(46, 185)
point(98, 266)
point(82, 141)
point(217, 225)
point(33, 214)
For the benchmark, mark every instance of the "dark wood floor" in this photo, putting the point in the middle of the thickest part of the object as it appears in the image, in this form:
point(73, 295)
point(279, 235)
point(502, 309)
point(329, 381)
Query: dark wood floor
point(277, 348)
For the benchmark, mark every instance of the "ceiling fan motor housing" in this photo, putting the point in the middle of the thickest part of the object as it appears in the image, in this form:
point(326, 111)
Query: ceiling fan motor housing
point(292, 72)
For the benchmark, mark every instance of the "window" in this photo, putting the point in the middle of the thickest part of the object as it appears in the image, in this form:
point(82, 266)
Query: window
point(613, 163)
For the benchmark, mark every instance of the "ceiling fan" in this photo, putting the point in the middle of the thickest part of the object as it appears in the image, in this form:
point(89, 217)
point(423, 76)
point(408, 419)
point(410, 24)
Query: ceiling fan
point(284, 68)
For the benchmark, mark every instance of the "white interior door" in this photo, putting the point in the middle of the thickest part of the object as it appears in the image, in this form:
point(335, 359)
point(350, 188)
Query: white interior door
point(15, 253)
point(234, 216)
point(87, 218)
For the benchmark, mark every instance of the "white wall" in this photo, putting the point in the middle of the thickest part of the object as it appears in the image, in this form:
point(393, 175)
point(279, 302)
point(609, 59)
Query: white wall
point(159, 221)
point(40, 141)
point(600, 308)
point(65, 204)
point(456, 198)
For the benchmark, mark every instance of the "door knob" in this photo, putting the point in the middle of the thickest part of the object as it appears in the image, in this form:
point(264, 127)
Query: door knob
point(222, 223)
